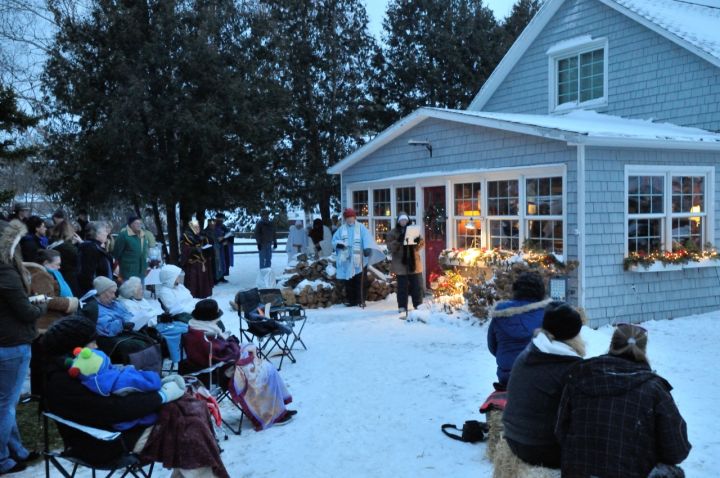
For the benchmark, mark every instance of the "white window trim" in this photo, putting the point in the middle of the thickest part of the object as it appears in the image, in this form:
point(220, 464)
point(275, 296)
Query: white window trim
point(556, 54)
point(668, 172)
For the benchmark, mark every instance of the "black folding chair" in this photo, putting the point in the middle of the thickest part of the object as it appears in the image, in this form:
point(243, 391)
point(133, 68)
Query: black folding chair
point(128, 462)
point(289, 313)
point(270, 332)
point(211, 375)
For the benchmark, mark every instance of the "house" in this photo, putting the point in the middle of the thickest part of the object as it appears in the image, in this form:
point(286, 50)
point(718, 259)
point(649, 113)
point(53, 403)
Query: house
point(596, 138)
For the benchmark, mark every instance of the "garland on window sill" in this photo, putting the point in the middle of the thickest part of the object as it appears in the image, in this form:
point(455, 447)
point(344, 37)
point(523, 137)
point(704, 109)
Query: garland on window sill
point(475, 257)
point(679, 256)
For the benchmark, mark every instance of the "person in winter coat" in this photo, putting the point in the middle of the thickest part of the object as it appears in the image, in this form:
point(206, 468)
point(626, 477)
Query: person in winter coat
point(297, 241)
point(196, 265)
point(536, 384)
point(72, 400)
point(174, 297)
point(112, 318)
point(226, 241)
point(32, 242)
point(65, 240)
point(143, 312)
point(131, 249)
point(406, 264)
point(46, 280)
point(322, 238)
point(266, 239)
point(617, 418)
point(514, 321)
point(353, 245)
point(95, 260)
point(18, 316)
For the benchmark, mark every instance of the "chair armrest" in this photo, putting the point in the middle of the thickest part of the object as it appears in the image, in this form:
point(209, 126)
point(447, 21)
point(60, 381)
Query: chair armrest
point(97, 433)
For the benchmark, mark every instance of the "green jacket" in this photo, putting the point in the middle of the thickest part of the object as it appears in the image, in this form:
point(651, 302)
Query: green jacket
point(131, 251)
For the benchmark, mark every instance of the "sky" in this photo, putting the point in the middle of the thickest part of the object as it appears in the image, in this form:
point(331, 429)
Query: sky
point(376, 12)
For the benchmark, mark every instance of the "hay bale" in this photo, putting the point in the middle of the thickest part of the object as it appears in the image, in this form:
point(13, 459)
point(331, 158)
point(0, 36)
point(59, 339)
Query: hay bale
point(495, 429)
point(507, 465)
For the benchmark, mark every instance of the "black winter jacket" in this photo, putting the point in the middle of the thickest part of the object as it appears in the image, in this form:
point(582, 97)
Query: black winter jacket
point(617, 419)
point(265, 233)
point(17, 315)
point(534, 391)
point(94, 261)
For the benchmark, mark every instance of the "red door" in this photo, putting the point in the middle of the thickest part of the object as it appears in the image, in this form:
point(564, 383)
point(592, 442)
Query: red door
point(435, 221)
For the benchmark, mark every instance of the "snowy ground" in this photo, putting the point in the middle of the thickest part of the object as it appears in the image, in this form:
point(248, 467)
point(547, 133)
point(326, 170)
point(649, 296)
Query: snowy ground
point(372, 392)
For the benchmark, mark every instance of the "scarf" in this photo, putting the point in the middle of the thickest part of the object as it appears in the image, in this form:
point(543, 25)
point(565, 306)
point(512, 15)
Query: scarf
point(357, 252)
point(408, 256)
point(555, 347)
point(212, 327)
point(64, 287)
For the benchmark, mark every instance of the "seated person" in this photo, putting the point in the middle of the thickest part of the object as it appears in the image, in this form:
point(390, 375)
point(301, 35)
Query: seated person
point(514, 321)
point(175, 298)
point(205, 322)
point(46, 280)
point(144, 312)
point(182, 425)
point(112, 318)
point(617, 417)
point(536, 384)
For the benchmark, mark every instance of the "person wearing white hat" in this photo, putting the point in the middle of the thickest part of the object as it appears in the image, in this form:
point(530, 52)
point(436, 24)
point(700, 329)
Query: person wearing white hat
point(406, 264)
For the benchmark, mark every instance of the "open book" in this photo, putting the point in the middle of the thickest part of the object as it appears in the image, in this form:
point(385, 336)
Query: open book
point(412, 232)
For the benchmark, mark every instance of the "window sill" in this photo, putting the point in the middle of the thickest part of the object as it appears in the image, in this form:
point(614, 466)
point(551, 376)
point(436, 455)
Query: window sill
point(660, 267)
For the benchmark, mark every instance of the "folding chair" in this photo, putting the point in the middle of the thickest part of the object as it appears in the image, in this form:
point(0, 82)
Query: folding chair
point(290, 313)
point(212, 372)
point(270, 333)
point(128, 462)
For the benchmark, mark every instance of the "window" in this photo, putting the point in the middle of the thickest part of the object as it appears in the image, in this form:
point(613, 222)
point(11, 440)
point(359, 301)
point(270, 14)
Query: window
point(382, 214)
point(667, 210)
point(544, 209)
point(468, 226)
point(504, 223)
point(405, 201)
point(578, 74)
point(360, 203)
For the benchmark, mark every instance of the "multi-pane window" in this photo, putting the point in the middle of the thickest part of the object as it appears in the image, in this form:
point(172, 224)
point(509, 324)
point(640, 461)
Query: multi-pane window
point(360, 203)
point(544, 200)
point(581, 77)
point(468, 226)
point(405, 201)
point(503, 198)
point(382, 213)
point(652, 225)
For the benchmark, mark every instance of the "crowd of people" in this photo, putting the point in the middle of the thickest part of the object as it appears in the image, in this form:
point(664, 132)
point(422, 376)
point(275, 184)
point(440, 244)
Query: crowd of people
point(77, 317)
point(610, 416)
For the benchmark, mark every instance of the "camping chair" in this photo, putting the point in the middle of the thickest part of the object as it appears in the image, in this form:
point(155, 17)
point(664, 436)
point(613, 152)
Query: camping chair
point(212, 376)
point(270, 333)
point(128, 462)
point(290, 313)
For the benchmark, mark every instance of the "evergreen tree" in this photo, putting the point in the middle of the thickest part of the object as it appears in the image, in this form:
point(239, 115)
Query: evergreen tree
point(12, 122)
point(439, 52)
point(522, 12)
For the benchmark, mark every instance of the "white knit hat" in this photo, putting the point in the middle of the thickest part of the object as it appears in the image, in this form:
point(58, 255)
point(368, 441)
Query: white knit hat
point(102, 284)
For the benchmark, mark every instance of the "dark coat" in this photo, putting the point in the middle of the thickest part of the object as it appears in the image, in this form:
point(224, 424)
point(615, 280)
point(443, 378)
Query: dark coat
point(265, 233)
point(30, 245)
point(617, 419)
point(94, 261)
point(69, 265)
point(511, 328)
point(131, 251)
point(534, 390)
point(405, 258)
point(198, 349)
point(70, 399)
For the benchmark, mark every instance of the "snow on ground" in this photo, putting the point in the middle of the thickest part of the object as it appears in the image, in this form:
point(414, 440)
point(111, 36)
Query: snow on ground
point(372, 392)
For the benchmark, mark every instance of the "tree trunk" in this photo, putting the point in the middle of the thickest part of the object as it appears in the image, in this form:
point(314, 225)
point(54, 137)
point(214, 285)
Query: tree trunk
point(172, 232)
point(160, 236)
point(325, 208)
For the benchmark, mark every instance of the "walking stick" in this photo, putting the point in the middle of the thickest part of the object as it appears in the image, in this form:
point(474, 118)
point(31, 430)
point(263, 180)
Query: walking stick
point(362, 286)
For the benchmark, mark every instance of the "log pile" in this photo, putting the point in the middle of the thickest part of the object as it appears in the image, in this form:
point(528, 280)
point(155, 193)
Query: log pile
point(323, 295)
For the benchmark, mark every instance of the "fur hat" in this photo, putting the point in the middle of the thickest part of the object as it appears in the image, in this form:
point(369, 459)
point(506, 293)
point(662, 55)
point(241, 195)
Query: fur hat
point(10, 235)
point(128, 288)
point(349, 212)
point(207, 309)
point(562, 320)
point(102, 284)
point(67, 333)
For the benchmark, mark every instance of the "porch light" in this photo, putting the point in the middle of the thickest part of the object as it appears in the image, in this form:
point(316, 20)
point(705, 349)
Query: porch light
point(427, 144)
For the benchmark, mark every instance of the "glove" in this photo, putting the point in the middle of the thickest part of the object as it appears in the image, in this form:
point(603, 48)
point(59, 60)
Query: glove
point(367, 252)
point(417, 240)
point(340, 245)
point(174, 378)
point(171, 391)
point(259, 247)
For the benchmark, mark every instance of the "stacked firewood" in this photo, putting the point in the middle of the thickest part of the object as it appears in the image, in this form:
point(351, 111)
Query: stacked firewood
point(333, 292)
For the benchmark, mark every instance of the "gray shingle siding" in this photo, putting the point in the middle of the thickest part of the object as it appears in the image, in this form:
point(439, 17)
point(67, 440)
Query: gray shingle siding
point(649, 76)
point(609, 293)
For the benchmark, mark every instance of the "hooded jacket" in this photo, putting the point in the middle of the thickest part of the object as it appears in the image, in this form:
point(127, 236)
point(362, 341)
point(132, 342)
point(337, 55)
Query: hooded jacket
point(176, 299)
point(511, 328)
point(617, 419)
point(17, 315)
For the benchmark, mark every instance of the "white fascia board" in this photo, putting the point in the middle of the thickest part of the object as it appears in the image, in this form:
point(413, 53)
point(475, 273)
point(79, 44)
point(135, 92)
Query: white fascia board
point(647, 143)
point(663, 32)
point(516, 51)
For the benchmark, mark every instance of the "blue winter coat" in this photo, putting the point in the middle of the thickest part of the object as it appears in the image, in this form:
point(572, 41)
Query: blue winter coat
point(112, 318)
point(511, 329)
point(345, 263)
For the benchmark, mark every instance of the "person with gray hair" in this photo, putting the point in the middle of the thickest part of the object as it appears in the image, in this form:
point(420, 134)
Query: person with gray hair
point(617, 417)
point(93, 256)
point(143, 311)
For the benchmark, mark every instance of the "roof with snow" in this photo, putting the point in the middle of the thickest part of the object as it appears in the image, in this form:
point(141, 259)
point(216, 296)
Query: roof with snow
point(692, 24)
point(577, 127)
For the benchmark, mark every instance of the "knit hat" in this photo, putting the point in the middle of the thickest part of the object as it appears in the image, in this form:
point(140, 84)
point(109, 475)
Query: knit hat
point(402, 216)
point(86, 362)
point(132, 218)
point(207, 309)
point(67, 333)
point(102, 284)
point(128, 288)
point(529, 286)
point(562, 320)
point(349, 212)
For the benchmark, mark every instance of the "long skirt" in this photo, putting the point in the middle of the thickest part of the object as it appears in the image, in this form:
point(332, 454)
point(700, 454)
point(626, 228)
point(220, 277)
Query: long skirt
point(197, 280)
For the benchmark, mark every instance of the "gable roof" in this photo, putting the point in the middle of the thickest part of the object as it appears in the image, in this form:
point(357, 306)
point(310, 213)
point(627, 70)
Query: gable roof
point(577, 127)
point(692, 24)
